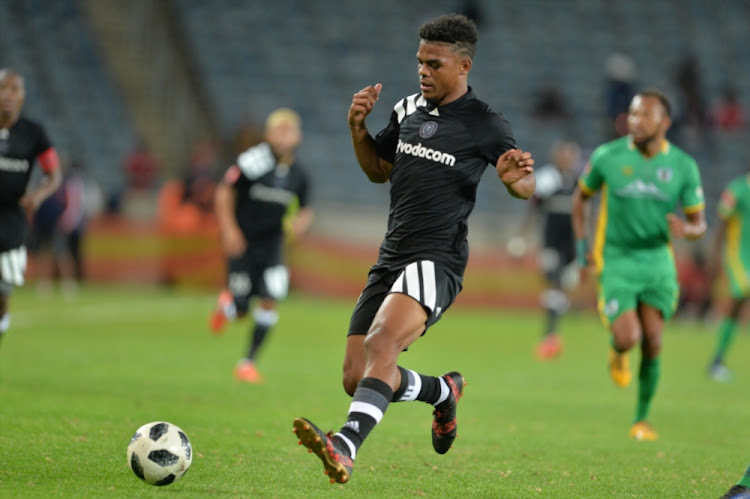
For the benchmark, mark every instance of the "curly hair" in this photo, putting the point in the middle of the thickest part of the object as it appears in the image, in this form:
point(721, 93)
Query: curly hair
point(456, 29)
point(655, 92)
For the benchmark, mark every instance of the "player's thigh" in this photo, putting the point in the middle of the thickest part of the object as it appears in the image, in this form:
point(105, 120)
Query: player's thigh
point(13, 267)
point(399, 321)
point(270, 281)
point(739, 281)
point(432, 285)
point(239, 281)
point(616, 295)
point(662, 293)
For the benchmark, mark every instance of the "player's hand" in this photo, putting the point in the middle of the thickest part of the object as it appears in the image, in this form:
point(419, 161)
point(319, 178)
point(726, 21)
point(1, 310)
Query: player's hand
point(676, 225)
point(362, 104)
point(233, 242)
point(514, 165)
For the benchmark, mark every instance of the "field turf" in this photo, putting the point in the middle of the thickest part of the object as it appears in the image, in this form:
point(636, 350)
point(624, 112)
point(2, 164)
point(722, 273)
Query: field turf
point(78, 377)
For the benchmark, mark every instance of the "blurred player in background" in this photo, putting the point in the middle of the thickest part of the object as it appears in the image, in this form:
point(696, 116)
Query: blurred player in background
point(252, 203)
point(740, 490)
point(643, 178)
point(433, 151)
point(22, 144)
point(732, 242)
point(555, 183)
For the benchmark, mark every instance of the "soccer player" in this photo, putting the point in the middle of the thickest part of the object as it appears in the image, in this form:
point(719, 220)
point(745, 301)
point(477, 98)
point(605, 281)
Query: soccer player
point(555, 183)
point(740, 490)
point(643, 178)
point(23, 143)
point(433, 151)
point(733, 236)
point(263, 192)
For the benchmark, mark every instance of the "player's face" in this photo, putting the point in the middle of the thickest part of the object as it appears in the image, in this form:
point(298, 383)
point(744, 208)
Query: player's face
point(442, 72)
point(284, 138)
point(12, 94)
point(647, 119)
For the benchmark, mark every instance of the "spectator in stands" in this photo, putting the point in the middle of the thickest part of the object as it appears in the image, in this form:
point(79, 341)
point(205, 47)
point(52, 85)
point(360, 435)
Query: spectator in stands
point(728, 113)
point(692, 118)
point(619, 91)
point(58, 230)
point(79, 191)
point(549, 104)
point(23, 143)
point(141, 168)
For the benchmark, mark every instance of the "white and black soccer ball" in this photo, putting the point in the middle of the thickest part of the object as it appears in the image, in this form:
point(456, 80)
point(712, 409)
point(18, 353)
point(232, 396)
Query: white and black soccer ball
point(159, 453)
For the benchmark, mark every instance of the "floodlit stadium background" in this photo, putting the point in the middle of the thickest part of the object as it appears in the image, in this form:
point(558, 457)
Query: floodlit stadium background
point(104, 75)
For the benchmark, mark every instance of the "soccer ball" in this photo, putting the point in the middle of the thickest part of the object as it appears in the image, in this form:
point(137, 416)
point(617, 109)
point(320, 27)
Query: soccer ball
point(159, 453)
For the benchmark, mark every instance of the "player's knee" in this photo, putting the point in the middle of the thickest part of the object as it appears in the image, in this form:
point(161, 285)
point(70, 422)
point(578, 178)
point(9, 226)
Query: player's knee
point(380, 342)
point(651, 346)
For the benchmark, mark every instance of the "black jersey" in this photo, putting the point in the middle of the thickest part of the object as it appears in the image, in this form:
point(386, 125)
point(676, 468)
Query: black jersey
point(20, 146)
point(265, 189)
point(439, 155)
point(554, 195)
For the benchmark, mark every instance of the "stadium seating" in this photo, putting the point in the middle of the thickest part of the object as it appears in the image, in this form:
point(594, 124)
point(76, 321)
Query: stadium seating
point(68, 86)
point(256, 56)
point(314, 55)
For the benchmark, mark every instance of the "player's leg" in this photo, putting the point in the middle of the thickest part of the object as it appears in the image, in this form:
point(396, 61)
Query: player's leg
point(4, 316)
point(649, 371)
point(399, 321)
point(554, 302)
point(272, 287)
point(435, 288)
point(740, 490)
point(12, 270)
point(657, 305)
point(717, 370)
point(617, 309)
point(233, 301)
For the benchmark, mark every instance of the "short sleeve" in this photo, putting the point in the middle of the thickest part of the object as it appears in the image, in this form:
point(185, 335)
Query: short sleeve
point(592, 178)
point(500, 139)
point(692, 193)
point(387, 140)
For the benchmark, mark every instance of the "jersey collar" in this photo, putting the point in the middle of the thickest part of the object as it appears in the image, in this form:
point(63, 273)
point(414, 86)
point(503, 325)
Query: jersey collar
point(665, 145)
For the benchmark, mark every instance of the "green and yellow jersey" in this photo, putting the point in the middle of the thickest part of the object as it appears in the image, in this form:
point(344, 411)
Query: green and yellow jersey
point(734, 209)
point(637, 194)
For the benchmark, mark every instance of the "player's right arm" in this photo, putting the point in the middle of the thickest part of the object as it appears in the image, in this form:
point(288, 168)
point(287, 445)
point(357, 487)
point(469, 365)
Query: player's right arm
point(225, 200)
point(376, 169)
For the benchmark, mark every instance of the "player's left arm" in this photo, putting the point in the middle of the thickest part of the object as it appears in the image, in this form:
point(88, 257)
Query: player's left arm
point(514, 167)
point(516, 170)
point(302, 217)
point(693, 226)
point(50, 164)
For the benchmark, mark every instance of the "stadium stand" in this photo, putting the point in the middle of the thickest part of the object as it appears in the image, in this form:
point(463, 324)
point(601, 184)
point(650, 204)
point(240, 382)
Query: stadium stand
point(312, 56)
point(68, 86)
point(255, 56)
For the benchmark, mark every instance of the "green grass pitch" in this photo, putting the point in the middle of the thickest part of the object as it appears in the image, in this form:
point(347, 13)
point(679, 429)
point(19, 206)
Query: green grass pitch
point(78, 377)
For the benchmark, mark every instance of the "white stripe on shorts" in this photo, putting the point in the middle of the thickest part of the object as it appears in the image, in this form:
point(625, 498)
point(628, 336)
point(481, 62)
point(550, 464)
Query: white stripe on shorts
point(409, 282)
point(428, 280)
point(412, 281)
point(13, 266)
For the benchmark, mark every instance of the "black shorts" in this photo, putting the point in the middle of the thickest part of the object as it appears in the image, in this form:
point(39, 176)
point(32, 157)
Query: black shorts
point(554, 259)
point(433, 285)
point(260, 272)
